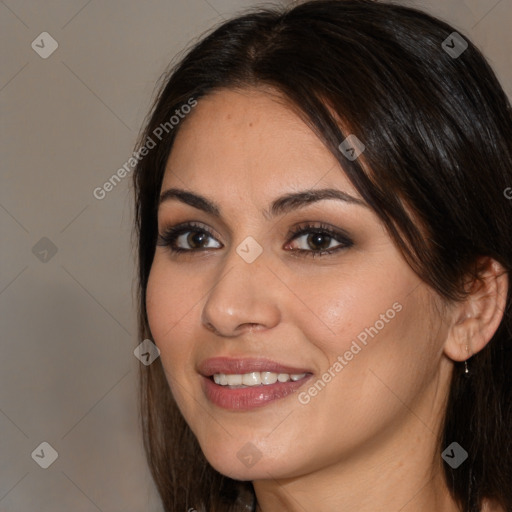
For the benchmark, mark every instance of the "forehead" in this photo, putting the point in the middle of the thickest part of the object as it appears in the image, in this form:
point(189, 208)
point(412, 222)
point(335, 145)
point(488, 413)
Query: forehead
point(250, 139)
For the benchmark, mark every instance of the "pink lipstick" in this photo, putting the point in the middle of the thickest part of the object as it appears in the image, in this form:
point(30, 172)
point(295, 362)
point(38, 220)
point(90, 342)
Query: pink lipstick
point(244, 384)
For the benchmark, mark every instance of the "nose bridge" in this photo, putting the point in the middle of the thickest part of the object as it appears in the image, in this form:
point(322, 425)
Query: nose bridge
point(241, 294)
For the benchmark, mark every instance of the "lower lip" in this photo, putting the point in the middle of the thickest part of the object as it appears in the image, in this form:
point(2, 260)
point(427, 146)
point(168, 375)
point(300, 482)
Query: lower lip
point(250, 397)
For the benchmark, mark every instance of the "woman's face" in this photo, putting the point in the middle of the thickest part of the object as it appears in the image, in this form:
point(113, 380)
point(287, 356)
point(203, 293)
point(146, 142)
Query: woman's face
point(249, 298)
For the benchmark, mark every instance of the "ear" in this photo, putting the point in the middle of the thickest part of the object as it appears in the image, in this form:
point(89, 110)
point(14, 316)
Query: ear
point(475, 320)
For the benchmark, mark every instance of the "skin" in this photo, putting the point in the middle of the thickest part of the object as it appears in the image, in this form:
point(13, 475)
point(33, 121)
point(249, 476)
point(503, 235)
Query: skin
point(367, 441)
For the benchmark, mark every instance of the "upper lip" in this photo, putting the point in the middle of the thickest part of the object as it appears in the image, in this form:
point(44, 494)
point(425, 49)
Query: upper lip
point(229, 365)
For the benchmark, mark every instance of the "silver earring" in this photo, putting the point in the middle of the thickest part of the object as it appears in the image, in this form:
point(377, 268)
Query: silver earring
point(466, 369)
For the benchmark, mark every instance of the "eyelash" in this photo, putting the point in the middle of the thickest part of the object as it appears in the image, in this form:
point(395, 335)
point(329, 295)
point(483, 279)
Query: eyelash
point(168, 238)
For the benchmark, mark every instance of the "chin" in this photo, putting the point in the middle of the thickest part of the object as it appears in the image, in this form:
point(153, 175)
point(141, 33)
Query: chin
point(248, 462)
point(260, 471)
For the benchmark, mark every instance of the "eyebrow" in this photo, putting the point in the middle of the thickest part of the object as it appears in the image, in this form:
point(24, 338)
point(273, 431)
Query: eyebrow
point(279, 206)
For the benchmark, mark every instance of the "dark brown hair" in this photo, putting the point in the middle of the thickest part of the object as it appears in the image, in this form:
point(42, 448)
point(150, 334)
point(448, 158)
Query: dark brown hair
point(438, 135)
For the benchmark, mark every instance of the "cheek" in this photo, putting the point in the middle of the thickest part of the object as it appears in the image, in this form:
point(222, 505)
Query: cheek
point(360, 307)
point(157, 304)
point(170, 309)
point(169, 306)
point(373, 334)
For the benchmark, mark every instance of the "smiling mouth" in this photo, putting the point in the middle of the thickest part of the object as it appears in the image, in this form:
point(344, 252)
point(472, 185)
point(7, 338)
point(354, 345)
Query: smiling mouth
point(228, 391)
point(254, 379)
point(244, 384)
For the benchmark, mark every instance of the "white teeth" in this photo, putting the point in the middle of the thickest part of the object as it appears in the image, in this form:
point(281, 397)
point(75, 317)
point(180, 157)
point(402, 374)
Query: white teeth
point(234, 380)
point(251, 379)
point(268, 378)
point(255, 378)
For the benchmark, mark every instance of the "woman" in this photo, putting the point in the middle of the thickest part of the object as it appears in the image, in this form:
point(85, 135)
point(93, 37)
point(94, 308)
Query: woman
point(324, 256)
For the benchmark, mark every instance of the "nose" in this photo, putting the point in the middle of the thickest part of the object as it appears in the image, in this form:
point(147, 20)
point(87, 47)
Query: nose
point(243, 297)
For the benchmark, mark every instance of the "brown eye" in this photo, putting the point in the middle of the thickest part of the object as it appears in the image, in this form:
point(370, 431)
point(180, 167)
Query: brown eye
point(318, 240)
point(196, 239)
point(186, 238)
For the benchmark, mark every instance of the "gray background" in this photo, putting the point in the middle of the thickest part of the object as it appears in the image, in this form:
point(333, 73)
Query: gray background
point(67, 369)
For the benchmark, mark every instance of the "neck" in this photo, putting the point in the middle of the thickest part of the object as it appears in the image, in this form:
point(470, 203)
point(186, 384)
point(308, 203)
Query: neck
point(396, 486)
